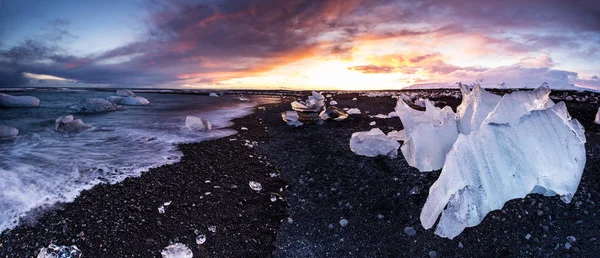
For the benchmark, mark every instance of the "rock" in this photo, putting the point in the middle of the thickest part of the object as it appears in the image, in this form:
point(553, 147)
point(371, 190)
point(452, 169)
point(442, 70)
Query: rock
point(397, 135)
point(10, 101)
point(373, 143)
point(125, 93)
point(177, 250)
point(334, 113)
point(528, 236)
point(540, 213)
point(256, 186)
point(200, 239)
point(432, 254)
point(7, 131)
point(95, 105)
point(197, 123)
point(66, 124)
point(567, 246)
point(410, 231)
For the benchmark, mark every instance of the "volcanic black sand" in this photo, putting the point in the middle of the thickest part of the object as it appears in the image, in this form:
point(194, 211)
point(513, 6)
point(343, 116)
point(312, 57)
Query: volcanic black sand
point(321, 182)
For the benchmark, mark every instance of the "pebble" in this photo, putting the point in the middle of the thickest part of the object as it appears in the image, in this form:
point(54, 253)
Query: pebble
point(540, 213)
point(567, 246)
point(432, 254)
point(546, 228)
point(571, 239)
point(460, 245)
point(343, 222)
point(410, 231)
point(528, 236)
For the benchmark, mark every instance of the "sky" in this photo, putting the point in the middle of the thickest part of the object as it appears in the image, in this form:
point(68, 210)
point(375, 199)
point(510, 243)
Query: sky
point(299, 44)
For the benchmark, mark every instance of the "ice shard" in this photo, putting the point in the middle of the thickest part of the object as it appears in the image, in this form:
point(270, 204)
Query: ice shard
point(525, 145)
point(474, 108)
point(429, 134)
point(374, 143)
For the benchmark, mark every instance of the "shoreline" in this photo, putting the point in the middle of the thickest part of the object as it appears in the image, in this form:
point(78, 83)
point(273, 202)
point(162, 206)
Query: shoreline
point(323, 182)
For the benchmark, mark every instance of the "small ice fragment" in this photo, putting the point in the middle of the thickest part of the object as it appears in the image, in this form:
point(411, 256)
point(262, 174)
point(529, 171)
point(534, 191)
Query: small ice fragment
point(125, 93)
point(177, 250)
point(334, 113)
point(410, 231)
point(353, 111)
point(167, 203)
point(54, 251)
point(200, 239)
point(567, 246)
point(212, 94)
point(290, 220)
point(212, 229)
point(597, 120)
point(380, 116)
point(244, 99)
point(197, 123)
point(373, 123)
point(528, 236)
point(161, 209)
point(373, 143)
point(291, 118)
point(273, 198)
point(256, 186)
point(7, 131)
point(343, 222)
point(66, 124)
point(333, 103)
point(244, 129)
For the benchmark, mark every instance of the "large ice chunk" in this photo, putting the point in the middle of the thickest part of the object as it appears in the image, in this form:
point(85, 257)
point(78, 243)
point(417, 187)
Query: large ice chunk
point(474, 108)
point(515, 152)
point(134, 101)
point(373, 143)
point(177, 250)
point(7, 131)
point(429, 134)
point(18, 101)
point(597, 120)
point(66, 124)
point(95, 105)
point(197, 123)
point(314, 103)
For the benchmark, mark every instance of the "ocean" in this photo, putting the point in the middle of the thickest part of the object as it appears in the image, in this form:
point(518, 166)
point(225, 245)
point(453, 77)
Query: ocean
point(41, 167)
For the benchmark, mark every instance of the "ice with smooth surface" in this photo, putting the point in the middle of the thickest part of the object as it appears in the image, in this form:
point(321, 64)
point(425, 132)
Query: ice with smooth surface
point(374, 143)
point(213, 94)
point(18, 101)
point(95, 105)
point(474, 108)
point(125, 93)
point(314, 103)
point(397, 135)
point(177, 250)
point(66, 124)
point(353, 111)
point(430, 134)
point(134, 101)
point(291, 118)
point(55, 251)
point(7, 131)
point(333, 103)
point(197, 124)
point(597, 120)
point(520, 148)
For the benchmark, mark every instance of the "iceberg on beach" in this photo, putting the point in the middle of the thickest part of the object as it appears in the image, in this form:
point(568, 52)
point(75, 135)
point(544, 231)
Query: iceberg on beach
point(7, 131)
point(373, 143)
point(353, 111)
point(291, 118)
point(197, 124)
point(10, 101)
point(177, 250)
point(474, 108)
point(526, 144)
point(429, 134)
point(314, 103)
point(66, 124)
point(95, 105)
point(125, 93)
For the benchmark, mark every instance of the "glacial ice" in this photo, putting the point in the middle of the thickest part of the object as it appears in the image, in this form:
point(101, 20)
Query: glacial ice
point(7, 131)
point(314, 103)
point(95, 105)
point(397, 135)
point(125, 93)
point(597, 120)
point(197, 124)
point(10, 101)
point(430, 134)
point(128, 101)
point(373, 143)
point(66, 124)
point(333, 103)
point(526, 144)
point(54, 251)
point(334, 113)
point(213, 94)
point(353, 111)
point(291, 118)
point(177, 250)
point(474, 108)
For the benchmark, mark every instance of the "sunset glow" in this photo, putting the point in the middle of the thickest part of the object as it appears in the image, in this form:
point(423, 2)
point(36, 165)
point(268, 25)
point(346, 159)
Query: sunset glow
point(301, 44)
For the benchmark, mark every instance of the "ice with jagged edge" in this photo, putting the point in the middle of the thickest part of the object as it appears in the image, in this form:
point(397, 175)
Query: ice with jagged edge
point(526, 144)
point(314, 103)
point(177, 250)
point(374, 143)
point(429, 134)
point(474, 108)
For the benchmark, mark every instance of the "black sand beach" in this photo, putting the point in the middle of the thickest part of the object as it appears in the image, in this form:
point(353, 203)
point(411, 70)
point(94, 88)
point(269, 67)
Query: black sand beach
point(321, 182)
